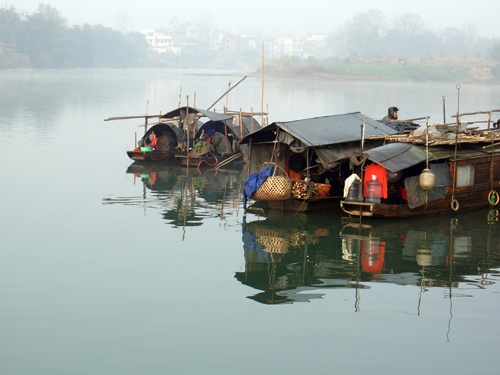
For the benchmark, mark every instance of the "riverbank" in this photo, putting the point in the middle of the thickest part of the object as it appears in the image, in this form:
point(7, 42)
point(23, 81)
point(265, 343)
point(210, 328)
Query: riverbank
point(444, 70)
point(450, 69)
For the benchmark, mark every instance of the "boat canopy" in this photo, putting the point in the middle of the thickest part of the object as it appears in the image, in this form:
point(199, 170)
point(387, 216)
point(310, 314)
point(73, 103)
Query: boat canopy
point(398, 156)
point(321, 131)
point(233, 125)
point(217, 120)
point(214, 116)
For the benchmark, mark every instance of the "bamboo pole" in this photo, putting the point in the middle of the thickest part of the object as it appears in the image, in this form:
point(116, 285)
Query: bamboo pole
point(413, 119)
point(225, 132)
point(130, 117)
point(248, 114)
point(227, 93)
point(146, 119)
point(262, 96)
point(492, 145)
point(444, 110)
point(241, 126)
point(232, 88)
point(476, 113)
point(227, 161)
point(186, 122)
point(252, 117)
point(363, 133)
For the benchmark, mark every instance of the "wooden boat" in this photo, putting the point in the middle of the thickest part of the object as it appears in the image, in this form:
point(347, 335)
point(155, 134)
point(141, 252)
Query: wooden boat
point(153, 155)
point(209, 160)
point(177, 131)
point(233, 126)
point(466, 168)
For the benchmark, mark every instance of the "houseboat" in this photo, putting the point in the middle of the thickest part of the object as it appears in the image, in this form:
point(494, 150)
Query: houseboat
point(441, 169)
point(303, 156)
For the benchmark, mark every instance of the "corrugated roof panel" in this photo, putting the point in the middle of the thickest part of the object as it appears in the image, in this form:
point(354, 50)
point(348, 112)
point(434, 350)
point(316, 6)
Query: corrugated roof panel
point(321, 131)
point(397, 156)
point(214, 116)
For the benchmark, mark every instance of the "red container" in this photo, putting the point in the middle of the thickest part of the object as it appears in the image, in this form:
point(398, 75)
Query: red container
point(324, 190)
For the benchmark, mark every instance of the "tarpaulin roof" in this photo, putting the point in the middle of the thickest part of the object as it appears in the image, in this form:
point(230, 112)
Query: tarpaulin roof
point(322, 131)
point(398, 156)
point(214, 116)
point(233, 124)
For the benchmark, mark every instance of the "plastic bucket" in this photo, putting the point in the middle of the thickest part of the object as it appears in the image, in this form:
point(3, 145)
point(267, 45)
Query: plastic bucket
point(324, 190)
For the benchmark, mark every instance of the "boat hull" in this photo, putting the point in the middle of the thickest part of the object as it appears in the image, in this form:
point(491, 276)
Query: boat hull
point(151, 155)
point(467, 200)
point(205, 161)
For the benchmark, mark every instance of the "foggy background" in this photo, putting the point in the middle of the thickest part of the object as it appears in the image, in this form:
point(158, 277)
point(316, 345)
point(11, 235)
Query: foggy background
point(424, 41)
point(269, 17)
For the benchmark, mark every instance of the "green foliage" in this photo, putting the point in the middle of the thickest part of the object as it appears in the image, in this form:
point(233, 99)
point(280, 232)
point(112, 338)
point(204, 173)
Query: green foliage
point(50, 43)
point(494, 52)
point(44, 37)
point(10, 26)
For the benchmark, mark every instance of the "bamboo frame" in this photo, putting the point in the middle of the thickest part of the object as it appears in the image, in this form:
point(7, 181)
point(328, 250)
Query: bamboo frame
point(475, 113)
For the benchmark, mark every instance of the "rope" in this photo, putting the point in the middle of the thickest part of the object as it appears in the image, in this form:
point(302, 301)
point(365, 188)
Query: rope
point(211, 165)
point(357, 158)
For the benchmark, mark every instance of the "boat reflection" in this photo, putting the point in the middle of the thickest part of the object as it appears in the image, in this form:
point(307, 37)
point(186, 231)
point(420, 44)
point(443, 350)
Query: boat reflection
point(185, 196)
point(289, 260)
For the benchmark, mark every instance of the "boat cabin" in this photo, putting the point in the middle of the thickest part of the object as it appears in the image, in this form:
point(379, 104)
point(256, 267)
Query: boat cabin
point(417, 179)
point(306, 151)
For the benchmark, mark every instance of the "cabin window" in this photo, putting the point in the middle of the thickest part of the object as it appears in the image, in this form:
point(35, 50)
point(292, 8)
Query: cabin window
point(442, 173)
point(465, 175)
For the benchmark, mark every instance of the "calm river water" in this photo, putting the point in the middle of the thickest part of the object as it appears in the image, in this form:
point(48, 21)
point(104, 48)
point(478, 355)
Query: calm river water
point(110, 267)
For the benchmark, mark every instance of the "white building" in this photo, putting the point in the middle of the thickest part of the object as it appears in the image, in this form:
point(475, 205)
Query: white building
point(163, 41)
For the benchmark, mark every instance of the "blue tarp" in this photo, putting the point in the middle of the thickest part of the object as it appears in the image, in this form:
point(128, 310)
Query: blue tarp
point(254, 181)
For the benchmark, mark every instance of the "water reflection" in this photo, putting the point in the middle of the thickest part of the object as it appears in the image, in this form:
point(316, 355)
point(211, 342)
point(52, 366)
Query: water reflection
point(290, 258)
point(185, 196)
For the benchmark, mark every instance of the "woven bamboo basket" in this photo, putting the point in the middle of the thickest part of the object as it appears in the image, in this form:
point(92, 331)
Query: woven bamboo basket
point(274, 188)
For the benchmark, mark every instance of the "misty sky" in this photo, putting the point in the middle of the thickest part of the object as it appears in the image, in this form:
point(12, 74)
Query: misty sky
point(271, 17)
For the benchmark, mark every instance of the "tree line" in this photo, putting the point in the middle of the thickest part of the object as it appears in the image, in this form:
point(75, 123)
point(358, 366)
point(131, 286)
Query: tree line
point(48, 42)
point(370, 34)
point(44, 40)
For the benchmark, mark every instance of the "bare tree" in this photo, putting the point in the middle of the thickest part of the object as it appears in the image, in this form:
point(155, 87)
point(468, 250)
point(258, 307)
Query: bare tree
point(361, 35)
